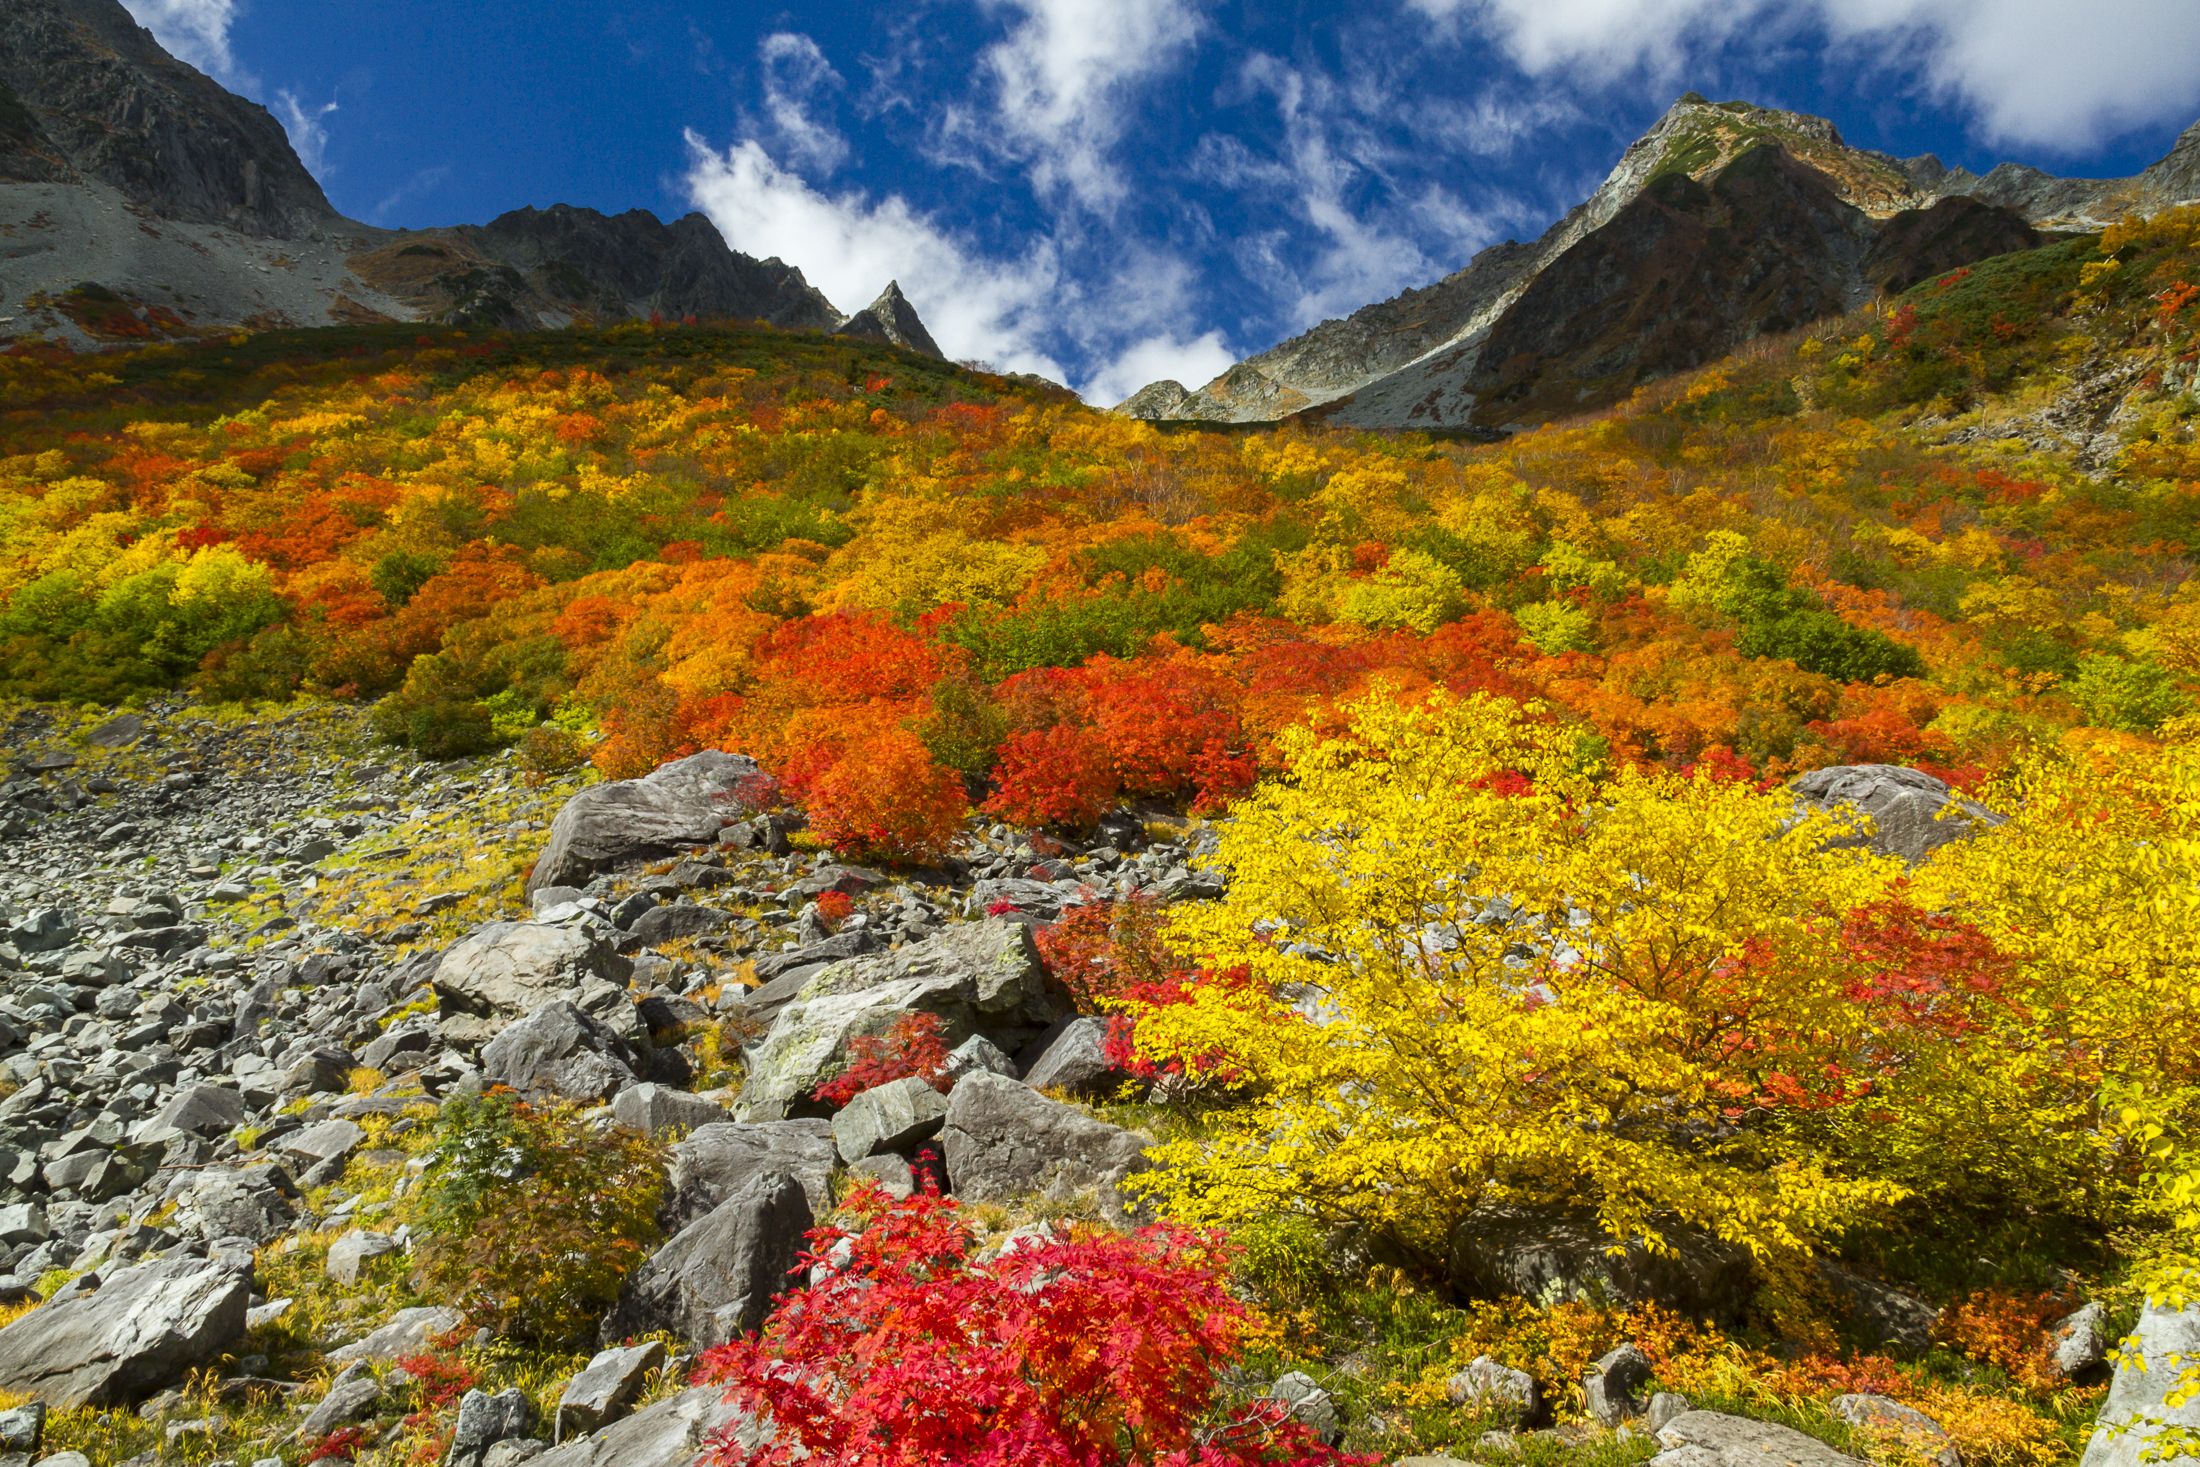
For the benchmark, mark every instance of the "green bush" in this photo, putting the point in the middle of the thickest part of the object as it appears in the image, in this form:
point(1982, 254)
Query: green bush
point(2117, 692)
point(531, 1219)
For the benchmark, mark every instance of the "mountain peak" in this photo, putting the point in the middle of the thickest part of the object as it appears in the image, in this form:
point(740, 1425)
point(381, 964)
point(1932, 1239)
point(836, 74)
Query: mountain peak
point(892, 319)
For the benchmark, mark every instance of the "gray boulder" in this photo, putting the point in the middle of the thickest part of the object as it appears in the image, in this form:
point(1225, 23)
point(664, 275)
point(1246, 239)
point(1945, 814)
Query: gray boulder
point(681, 804)
point(671, 1433)
point(660, 1110)
point(196, 1110)
point(484, 1420)
point(1911, 1431)
point(504, 970)
point(1487, 1388)
point(408, 1332)
point(2081, 1342)
point(238, 1202)
point(717, 1277)
point(1071, 1057)
point(605, 1390)
point(351, 1397)
point(2147, 1375)
point(1879, 1315)
point(1003, 1139)
point(1556, 1256)
point(138, 1333)
point(889, 1118)
point(1611, 1393)
point(978, 977)
point(1306, 1402)
point(349, 1255)
point(1912, 813)
point(559, 1052)
point(1714, 1439)
point(327, 1141)
point(715, 1161)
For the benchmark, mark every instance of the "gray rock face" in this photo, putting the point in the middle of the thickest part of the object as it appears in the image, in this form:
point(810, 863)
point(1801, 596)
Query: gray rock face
point(1905, 807)
point(718, 1160)
point(1713, 1439)
point(1540, 1256)
point(717, 1277)
point(679, 805)
point(1306, 1402)
point(505, 970)
point(201, 1110)
point(558, 1052)
point(978, 977)
point(107, 103)
point(1878, 1314)
point(136, 1334)
point(888, 1118)
point(1488, 1388)
point(671, 1433)
point(605, 1390)
point(2138, 1399)
point(238, 1202)
point(1003, 1139)
point(349, 1255)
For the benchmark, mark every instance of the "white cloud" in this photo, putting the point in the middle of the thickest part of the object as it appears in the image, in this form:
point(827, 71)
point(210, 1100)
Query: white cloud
point(849, 245)
point(1062, 80)
point(795, 72)
point(196, 31)
point(308, 129)
point(2052, 74)
point(1191, 363)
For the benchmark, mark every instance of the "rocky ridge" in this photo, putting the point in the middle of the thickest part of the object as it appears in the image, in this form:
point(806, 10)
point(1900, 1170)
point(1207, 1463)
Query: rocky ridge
point(1412, 361)
point(140, 198)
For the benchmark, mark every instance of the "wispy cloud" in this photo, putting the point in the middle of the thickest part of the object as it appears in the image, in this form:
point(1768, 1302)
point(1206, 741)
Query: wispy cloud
point(196, 31)
point(423, 182)
point(308, 129)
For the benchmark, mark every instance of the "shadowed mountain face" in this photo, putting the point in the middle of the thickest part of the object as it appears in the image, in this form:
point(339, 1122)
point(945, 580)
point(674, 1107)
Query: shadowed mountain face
point(1684, 274)
point(139, 197)
point(1688, 271)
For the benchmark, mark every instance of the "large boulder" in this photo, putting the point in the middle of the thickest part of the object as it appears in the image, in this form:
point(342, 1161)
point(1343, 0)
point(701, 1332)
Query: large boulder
point(1912, 813)
point(2148, 1374)
point(606, 1390)
point(980, 977)
point(1004, 1139)
point(682, 804)
point(135, 1334)
point(715, 1161)
point(671, 1433)
point(1713, 1439)
point(889, 1118)
point(718, 1276)
point(1547, 1256)
point(505, 970)
point(558, 1052)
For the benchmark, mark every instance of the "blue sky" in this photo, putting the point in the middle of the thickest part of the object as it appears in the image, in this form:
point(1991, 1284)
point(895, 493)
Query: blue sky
point(1109, 191)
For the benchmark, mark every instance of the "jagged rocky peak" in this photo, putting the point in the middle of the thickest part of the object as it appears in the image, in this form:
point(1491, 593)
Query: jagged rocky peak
point(87, 94)
point(1156, 400)
point(893, 320)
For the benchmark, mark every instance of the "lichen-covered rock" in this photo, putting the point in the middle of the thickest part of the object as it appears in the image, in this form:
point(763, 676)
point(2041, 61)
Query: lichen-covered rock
point(1541, 1255)
point(505, 970)
point(559, 1053)
point(888, 1118)
point(1714, 1439)
point(671, 1433)
point(715, 1161)
point(717, 1277)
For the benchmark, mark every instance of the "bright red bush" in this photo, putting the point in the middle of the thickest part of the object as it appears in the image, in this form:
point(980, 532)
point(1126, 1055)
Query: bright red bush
point(1060, 776)
point(1079, 1350)
point(915, 1045)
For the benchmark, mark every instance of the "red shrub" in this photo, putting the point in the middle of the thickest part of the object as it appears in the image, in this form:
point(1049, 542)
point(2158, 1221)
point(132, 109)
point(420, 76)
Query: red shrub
point(1060, 776)
point(915, 1045)
point(1091, 1350)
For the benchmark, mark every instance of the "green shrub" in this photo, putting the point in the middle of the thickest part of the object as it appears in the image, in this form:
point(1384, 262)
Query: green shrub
point(2118, 692)
point(531, 1219)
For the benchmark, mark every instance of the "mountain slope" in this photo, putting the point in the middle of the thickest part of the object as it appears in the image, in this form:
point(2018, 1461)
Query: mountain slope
point(1409, 361)
point(140, 198)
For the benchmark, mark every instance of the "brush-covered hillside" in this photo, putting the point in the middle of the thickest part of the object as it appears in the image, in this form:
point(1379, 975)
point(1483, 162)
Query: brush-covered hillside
point(623, 897)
